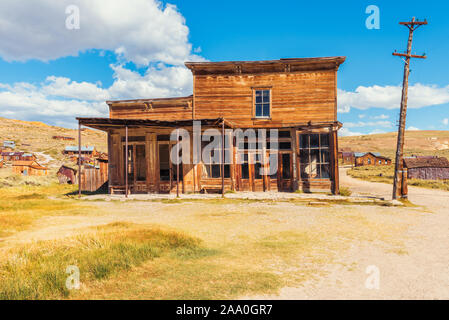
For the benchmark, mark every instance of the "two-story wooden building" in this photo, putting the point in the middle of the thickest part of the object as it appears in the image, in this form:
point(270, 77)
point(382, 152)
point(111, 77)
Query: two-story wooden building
point(297, 97)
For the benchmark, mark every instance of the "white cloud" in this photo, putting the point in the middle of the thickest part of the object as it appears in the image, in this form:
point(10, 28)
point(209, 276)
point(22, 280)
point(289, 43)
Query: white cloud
point(343, 108)
point(146, 32)
point(157, 82)
point(65, 88)
point(413, 128)
point(25, 101)
point(142, 31)
point(361, 116)
point(445, 121)
point(389, 97)
point(380, 117)
point(58, 100)
point(345, 132)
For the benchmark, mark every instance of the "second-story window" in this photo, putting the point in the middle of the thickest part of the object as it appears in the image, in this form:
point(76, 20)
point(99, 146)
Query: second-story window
point(262, 103)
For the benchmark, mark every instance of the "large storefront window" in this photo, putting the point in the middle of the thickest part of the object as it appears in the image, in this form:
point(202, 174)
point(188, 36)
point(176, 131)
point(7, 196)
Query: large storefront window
point(213, 168)
point(314, 156)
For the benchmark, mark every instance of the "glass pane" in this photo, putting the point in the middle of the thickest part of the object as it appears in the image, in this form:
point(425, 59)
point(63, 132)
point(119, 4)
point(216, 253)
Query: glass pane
point(258, 96)
point(141, 164)
point(325, 156)
point(215, 171)
point(314, 156)
point(266, 96)
point(325, 171)
point(245, 171)
point(164, 164)
point(304, 156)
point(286, 166)
point(258, 110)
point(284, 134)
point(227, 171)
point(324, 140)
point(257, 169)
point(266, 110)
point(304, 141)
point(304, 170)
point(314, 140)
point(285, 145)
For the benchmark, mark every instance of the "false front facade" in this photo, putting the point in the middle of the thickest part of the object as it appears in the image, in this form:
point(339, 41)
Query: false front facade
point(274, 124)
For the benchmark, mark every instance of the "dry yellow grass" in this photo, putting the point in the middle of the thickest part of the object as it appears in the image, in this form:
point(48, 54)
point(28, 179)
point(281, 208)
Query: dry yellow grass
point(385, 174)
point(21, 206)
point(232, 248)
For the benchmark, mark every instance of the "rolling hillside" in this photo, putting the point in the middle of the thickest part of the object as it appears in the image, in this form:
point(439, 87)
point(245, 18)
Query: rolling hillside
point(416, 142)
point(36, 137)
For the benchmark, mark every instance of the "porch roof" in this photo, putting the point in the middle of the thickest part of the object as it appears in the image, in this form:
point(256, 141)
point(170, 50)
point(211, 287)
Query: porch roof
point(108, 123)
point(111, 123)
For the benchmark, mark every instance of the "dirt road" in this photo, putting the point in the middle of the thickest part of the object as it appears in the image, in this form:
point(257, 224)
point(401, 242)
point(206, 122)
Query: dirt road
point(421, 271)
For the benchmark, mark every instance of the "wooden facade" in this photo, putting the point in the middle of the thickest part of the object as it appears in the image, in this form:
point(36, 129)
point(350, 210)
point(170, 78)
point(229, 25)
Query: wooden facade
point(29, 168)
point(427, 168)
point(371, 159)
point(296, 97)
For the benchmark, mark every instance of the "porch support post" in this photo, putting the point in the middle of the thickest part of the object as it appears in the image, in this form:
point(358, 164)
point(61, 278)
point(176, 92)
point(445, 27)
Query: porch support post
point(334, 161)
point(79, 159)
point(222, 157)
point(177, 163)
point(294, 159)
point(126, 161)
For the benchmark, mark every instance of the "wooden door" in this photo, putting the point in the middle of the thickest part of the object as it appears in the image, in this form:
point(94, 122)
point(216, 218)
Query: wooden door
point(285, 171)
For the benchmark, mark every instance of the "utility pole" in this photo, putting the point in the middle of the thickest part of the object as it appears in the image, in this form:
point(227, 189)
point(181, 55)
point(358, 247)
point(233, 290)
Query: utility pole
point(412, 26)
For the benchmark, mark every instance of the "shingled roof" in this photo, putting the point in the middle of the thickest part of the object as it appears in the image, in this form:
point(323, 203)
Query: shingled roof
point(436, 162)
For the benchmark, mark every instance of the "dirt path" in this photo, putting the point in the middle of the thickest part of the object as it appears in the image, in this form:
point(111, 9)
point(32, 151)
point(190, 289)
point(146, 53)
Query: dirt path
point(46, 157)
point(421, 271)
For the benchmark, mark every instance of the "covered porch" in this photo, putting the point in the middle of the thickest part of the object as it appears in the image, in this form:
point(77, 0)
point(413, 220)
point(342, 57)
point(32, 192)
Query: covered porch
point(139, 157)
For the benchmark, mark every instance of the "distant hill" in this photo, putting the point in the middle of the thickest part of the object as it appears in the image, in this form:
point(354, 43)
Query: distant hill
point(416, 142)
point(34, 136)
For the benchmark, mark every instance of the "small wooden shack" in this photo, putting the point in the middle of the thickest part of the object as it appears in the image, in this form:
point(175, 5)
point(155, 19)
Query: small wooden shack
point(67, 175)
point(371, 159)
point(29, 168)
point(436, 168)
point(17, 156)
point(8, 144)
point(62, 138)
point(347, 158)
point(85, 151)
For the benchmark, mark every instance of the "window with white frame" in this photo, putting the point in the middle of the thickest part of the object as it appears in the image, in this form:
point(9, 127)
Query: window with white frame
point(262, 100)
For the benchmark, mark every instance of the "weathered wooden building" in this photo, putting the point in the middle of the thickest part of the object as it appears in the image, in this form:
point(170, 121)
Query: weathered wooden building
point(371, 159)
point(17, 156)
point(63, 138)
point(346, 157)
point(297, 97)
point(427, 168)
point(85, 151)
point(29, 168)
point(67, 175)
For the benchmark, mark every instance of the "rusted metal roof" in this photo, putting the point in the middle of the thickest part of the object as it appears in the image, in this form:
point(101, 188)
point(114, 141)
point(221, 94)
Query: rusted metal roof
point(436, 162)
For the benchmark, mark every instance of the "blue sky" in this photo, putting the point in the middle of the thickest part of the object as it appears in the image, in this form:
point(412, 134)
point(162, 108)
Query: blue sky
point(134, 49)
